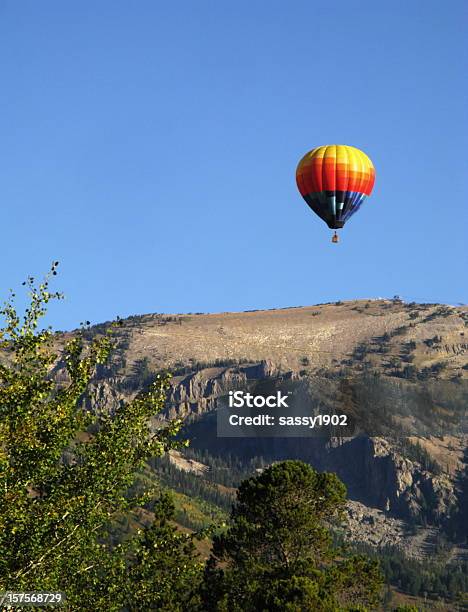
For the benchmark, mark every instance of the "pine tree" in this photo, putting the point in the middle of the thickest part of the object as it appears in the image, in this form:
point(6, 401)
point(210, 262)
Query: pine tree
point(277, 553)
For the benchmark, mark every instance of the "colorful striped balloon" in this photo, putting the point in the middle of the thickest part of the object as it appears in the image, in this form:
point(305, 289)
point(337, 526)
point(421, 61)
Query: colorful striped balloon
point(334, 180)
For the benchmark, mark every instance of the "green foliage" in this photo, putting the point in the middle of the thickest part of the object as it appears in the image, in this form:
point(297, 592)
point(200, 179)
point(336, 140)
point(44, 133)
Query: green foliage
point(227, 469)
point(163, 567)
point(430, 577)
point(191, 484)
point(278, 554)
point(65, 474)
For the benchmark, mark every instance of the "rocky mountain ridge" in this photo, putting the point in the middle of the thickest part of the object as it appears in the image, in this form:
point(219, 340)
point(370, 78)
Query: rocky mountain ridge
point(407, 346)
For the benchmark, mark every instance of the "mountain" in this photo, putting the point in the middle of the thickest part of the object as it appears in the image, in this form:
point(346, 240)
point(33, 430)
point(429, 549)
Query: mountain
point(400, 370)
point(390, 334)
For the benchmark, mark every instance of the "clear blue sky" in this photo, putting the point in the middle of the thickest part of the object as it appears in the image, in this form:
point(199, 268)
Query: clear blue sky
point(151, 147)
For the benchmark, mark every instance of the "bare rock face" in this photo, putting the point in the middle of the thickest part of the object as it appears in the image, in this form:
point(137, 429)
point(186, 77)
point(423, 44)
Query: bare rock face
point(377, 529)
point(411, 489)
point(372, 526)
point(198, 392)
point(378, 475)
point(187, 465)
point(102, 397)
point(374, 470)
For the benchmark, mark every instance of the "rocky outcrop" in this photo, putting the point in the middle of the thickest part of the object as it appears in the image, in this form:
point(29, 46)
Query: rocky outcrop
point(374, 470)
point(378, 475)
point(187, 465)
point(377, 529)
point(103, 397)
point(198, 392)
point(372, 526)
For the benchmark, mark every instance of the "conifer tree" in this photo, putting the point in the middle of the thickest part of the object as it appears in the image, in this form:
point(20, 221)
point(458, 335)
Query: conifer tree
point(278, 553)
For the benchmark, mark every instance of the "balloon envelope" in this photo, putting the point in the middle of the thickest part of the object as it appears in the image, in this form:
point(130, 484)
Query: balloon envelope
point(335, 180)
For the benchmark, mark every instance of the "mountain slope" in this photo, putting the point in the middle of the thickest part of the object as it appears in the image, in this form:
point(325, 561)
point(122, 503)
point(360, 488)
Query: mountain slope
point(374, 357)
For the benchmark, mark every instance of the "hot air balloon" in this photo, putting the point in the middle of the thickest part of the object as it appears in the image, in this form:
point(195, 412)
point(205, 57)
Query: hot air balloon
point(335, 180)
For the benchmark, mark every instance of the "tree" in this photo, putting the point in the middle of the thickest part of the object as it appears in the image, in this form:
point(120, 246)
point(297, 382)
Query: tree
point(65, 473)
point(167, 579)
point(277, 553)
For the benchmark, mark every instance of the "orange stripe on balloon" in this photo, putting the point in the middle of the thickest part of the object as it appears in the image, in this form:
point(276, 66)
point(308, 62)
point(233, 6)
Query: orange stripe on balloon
point(329, 175)
point(335, 168)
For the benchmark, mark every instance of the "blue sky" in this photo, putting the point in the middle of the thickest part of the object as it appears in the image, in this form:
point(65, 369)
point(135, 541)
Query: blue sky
point(151, 148)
